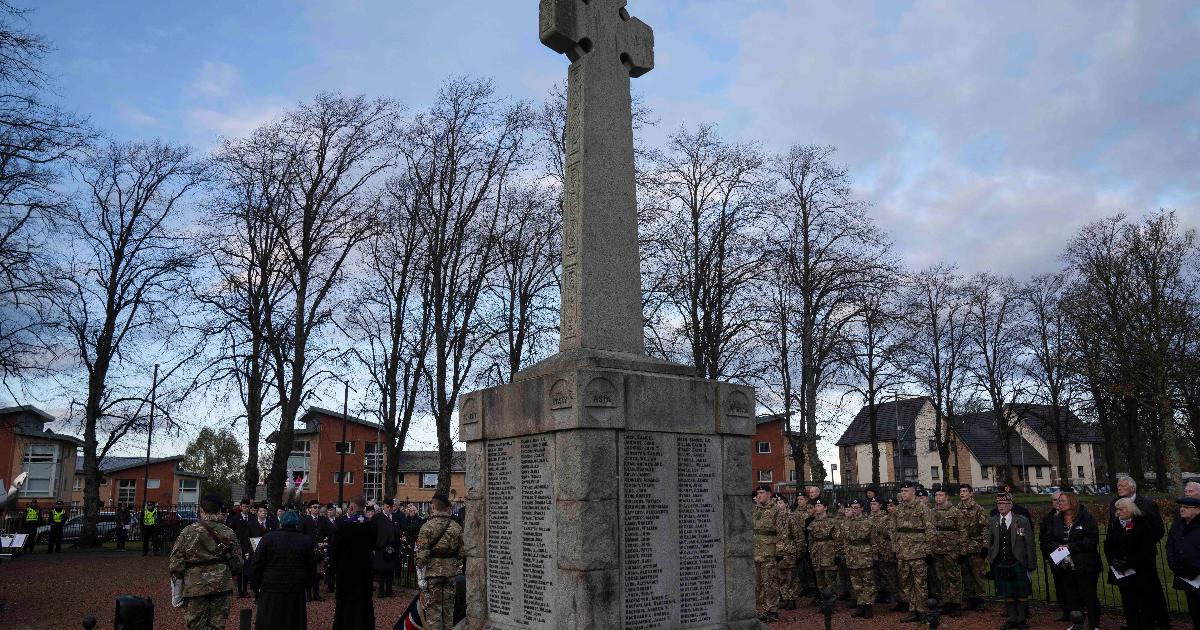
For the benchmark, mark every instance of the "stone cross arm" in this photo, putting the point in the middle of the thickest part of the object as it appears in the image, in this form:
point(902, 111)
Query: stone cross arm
point(578, 28)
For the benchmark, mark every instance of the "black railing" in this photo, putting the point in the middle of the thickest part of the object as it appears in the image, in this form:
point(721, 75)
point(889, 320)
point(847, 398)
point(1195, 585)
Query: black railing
point(170, 521)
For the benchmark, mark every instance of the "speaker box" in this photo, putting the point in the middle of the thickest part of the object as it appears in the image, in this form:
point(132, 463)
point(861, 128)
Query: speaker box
point(134, 613)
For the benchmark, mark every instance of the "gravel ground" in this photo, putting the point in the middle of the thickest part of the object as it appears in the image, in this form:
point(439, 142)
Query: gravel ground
point(55, 592)
point(807, 618)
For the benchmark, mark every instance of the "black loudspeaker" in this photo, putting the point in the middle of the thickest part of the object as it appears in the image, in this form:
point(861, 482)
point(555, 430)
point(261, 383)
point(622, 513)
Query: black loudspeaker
point(134, 613)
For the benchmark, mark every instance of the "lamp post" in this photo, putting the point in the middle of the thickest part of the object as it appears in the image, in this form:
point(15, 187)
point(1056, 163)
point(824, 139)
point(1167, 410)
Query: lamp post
point(149, 438)
point(342, 465)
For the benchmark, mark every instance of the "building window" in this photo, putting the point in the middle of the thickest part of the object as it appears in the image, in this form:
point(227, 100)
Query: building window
point(126, 491)
point(764, 448)
point(343, 447)
point(933, 472)
point(337, 478)
point(765, 476)
point(299, 462)
point(1020, 473)
point(1078, 447)
point(983, 472)
point(954, 474)
point(429, 480)
point(41, 464)
point(77, 485)
point(373, 470)
point(1038, 471)
point(189, 491)
point(104, 481)
point(153, 484)
point(933, 446)
point(400, 479)
point(910, 473)
point(792, 475)
point(1081, 472)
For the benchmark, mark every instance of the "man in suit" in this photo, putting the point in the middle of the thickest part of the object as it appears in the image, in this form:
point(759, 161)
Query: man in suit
point(1012, 557)
point(1127, 489)
point(239, 521)
point(308, 527)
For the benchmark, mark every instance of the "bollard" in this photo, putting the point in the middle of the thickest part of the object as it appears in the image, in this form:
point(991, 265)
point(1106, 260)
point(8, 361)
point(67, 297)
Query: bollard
point(244, 619)
point(1076, 620)
point(935, 613)
point(89, 623)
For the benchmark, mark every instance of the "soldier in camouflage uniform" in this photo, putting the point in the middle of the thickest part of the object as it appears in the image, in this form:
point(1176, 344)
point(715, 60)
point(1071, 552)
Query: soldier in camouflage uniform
point(823, 547)
point(790, 539)
point(857, 534)
point(912, 532)
point(206, 556)
point(975, 526)
point(807, 582)
point(844, 588)
point(949, 540)
point(439, 551)
point(883, 553)
point(769, 520)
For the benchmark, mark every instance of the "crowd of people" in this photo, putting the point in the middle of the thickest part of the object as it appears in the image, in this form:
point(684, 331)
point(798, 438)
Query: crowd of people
point(280, 556)
point(922, 546)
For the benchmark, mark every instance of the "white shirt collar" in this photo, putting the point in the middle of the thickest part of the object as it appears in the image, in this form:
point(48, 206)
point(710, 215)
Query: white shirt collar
point(1007, 519)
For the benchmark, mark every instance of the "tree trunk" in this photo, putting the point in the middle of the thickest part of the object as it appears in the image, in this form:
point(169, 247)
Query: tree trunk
point(873, 415)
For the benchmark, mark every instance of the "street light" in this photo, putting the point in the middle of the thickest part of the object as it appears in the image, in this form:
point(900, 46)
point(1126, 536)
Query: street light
point(149, 437)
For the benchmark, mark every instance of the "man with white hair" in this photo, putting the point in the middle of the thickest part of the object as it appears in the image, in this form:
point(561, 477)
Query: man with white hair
point(1127, 489)
point(1192, 489)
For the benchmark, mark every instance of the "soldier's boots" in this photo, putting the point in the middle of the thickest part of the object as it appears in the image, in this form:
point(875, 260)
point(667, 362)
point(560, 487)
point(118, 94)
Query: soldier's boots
point(914, 617)
point(953, 609)
point(788, 604)
point(900, 606)
point(769, 616)
point(859, 612)
point(868, 612)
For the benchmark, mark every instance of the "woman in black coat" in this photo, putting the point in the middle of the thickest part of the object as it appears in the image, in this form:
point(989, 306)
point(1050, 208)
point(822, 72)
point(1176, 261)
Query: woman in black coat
point(283, 568)
point(350, 560)
point(1183, 553)
point(1131, 546)
point(1077, 531)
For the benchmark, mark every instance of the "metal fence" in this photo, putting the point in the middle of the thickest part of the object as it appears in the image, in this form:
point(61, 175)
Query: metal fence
point(171, 520)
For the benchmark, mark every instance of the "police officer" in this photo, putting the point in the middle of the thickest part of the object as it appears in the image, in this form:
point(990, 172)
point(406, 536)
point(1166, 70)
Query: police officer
point(768, 522)
point(206, 556)
point(823, 547)
point(789, 540)
point(149, 527)
point(975, 527)
point(856, 539)
point(58, 517)
point(33, 520)
point(440, 554)
point(949, 540)
point(911, 532)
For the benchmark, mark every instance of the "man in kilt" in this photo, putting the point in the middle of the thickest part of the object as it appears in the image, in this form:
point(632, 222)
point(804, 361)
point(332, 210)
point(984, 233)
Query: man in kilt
point(1012, 557)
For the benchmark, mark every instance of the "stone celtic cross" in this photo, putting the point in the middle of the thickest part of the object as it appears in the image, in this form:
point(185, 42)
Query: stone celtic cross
point(601, 283)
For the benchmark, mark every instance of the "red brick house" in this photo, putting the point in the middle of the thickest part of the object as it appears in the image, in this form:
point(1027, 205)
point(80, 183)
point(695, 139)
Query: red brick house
point(768, 453)
point(26, 445)
point(317, 449)
point(124, 481)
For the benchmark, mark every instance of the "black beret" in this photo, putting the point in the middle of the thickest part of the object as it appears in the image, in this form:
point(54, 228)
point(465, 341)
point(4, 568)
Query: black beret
point(908, 484)
point(818, 501)
point(862, 503)
point(762, 487)
point(891, 502)
point(922, 492)
point(1188, 501)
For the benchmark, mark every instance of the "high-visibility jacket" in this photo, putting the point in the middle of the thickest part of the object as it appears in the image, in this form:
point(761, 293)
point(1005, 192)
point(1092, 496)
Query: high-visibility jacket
point(149, 517)
point(31, 515)
point(57, 516)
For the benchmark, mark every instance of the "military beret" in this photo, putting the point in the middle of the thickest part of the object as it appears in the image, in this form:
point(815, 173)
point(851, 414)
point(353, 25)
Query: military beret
point(862, 503)
point(876, 500)
point(922, 492)
point(1188, 501)
point(891, 502)
point(1003, 496)
point(908, 484)
point(818, 501)
point(763, 488)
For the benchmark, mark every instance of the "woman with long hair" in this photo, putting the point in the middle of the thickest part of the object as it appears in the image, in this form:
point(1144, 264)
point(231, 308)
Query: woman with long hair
point(1075, 532)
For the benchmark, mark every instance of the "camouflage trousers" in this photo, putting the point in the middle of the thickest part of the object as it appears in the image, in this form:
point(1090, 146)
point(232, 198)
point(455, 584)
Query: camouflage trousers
point(863, 582)
point(949, 579)
point(888, 580)
point(974, 571)
point(766, 585)
point(827, 578)
point(788, 584)
point(912, 583)
point(208, 612)
point(439, 603)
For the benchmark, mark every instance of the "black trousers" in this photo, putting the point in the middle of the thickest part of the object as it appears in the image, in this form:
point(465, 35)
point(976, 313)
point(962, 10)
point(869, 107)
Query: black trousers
point(148, 539)
point(1060, 589)
point(31, 536)
point(1137, 601)
point(56, 536)
point(122, 536)
point(1158, 599)
point(1081, 594)
point(1193, 600)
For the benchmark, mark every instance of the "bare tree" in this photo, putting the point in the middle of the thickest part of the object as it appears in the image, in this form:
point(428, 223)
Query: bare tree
point(36, 137)
point(707, 196)
point(939, 355)
point(335, 148)
point(828, 253)
point(391, 320)
point(1048, 363)
point(118, 293)
point(996, 347)
point(873, 355)
point(461, 155)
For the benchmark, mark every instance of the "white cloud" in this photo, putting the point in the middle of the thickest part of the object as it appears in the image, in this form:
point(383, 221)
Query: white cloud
point(137, 117)
point(235, 122)
point(216, 79)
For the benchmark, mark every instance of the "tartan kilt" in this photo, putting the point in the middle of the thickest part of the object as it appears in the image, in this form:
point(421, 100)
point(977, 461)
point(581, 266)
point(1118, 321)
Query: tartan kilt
point(1012, 581)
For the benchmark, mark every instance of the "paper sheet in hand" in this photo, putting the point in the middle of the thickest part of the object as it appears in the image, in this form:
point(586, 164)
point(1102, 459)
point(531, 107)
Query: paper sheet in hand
point(1195, 582)
point(1121, 575)
point(1060, 554)
point(254, 543)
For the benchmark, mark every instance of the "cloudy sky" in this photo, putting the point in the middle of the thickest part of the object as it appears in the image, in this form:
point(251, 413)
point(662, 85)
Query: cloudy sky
point(984, 133)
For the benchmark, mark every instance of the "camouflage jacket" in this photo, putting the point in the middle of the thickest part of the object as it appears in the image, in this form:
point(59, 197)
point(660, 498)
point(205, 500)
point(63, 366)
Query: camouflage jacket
point(800, 529)
point(912, 531)
point(789, 539)
point(881, 536)
point(822, 542)
point(949, 536)
point(440, 546)
point(975, 525)
point(205, 569)
point(856, 542)
point(770, 523)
